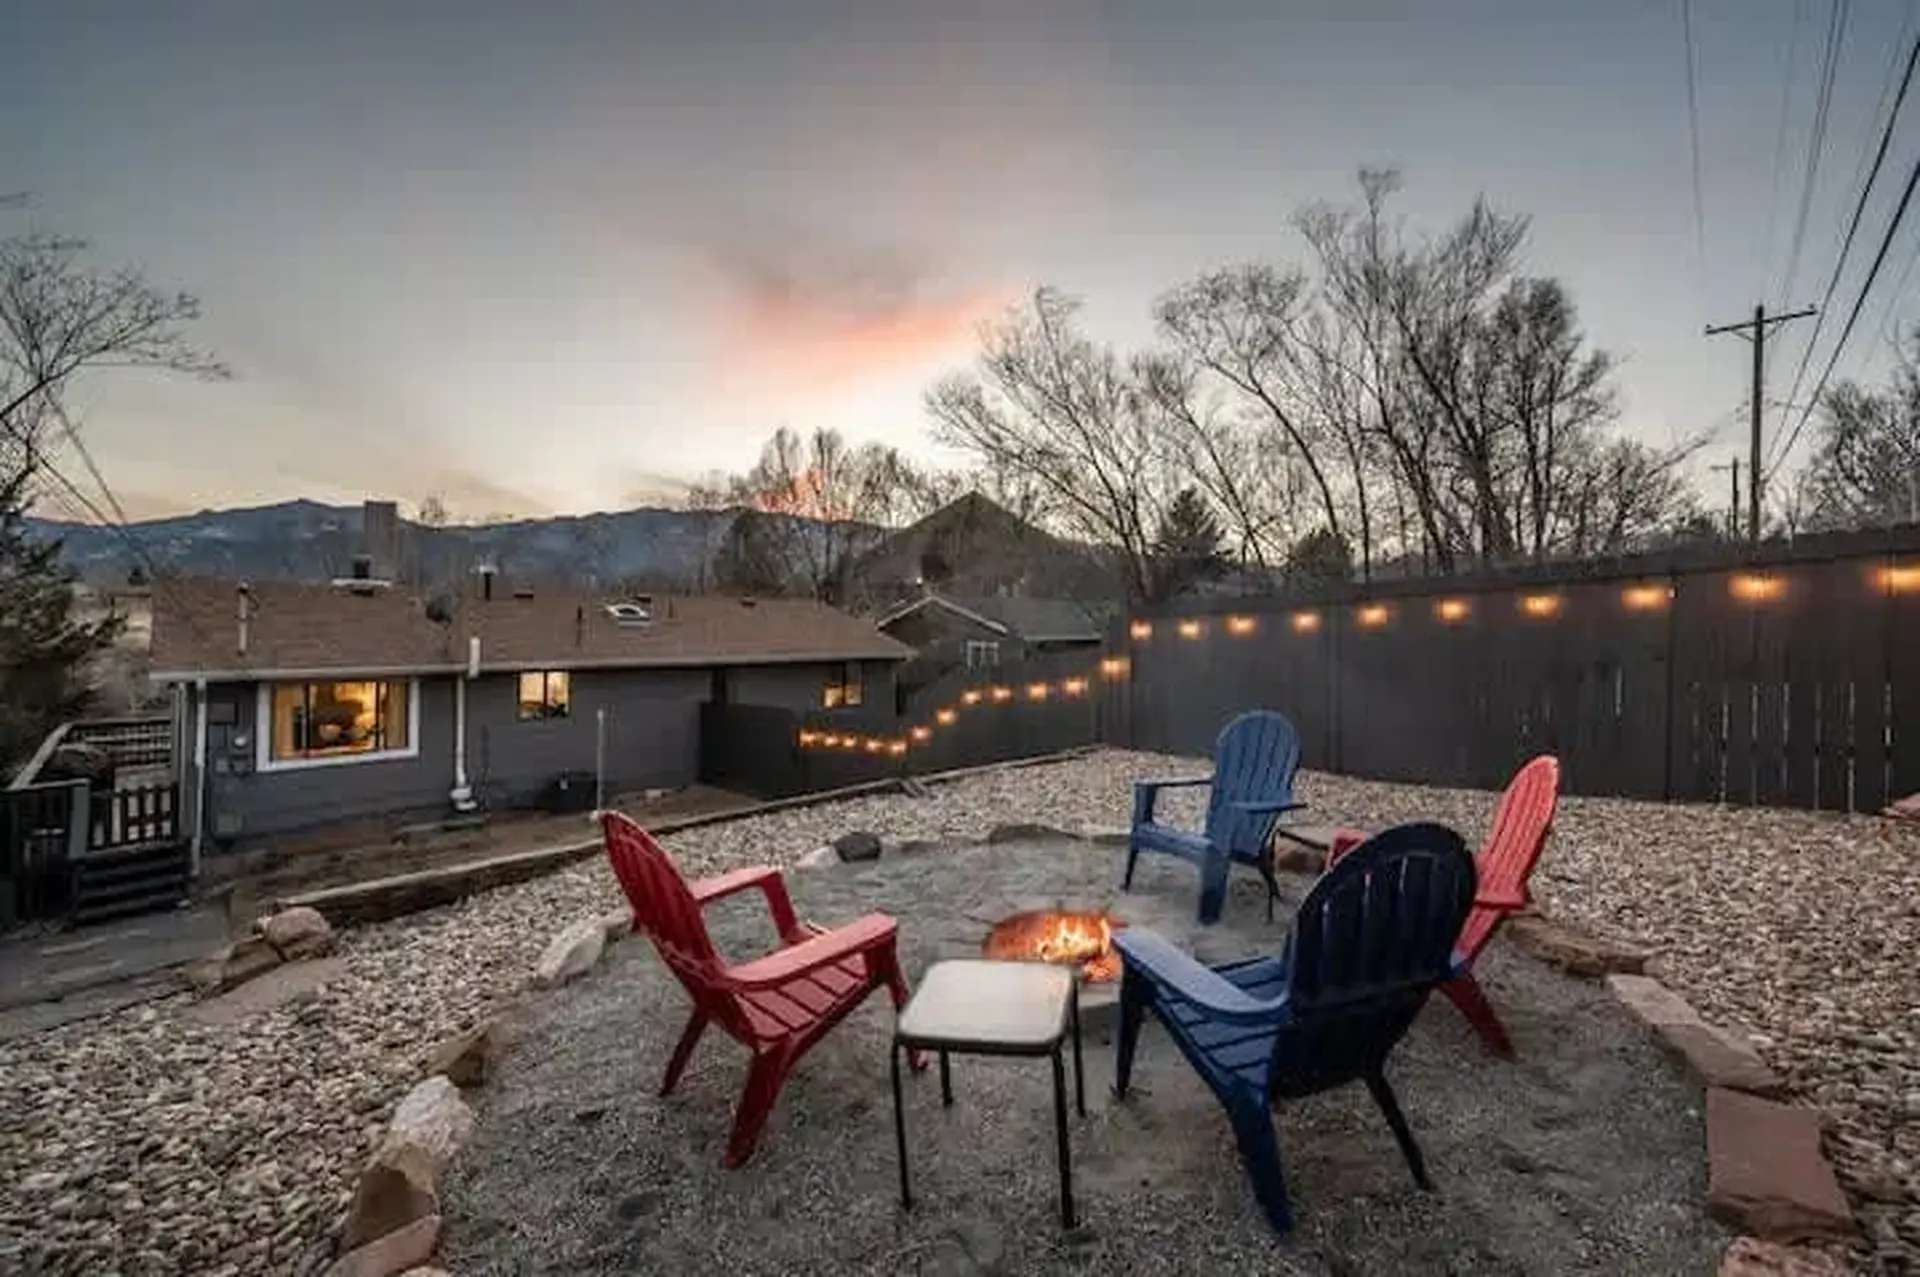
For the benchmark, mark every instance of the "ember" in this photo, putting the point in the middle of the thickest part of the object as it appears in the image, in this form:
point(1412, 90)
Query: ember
point(1058, 935)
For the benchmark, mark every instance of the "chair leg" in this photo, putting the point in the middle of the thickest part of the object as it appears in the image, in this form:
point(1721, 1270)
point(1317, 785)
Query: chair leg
point(1134, 993)
point(689, 1038)
point(896, 982)
point(1133, 854)
point(1273, 883)
point(1402, 1133)
point(1464, 992)
point(1213, 888)
point(1260, 1151)
point(764, 1079)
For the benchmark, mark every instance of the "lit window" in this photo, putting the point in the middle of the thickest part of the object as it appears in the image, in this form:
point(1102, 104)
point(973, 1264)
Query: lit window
point(983, 654)
point(847, 693)
point(545, 694)
point(318, 721)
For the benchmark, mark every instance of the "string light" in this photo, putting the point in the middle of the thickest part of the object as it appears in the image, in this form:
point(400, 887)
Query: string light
point(1191, 629)
point(1001, 695)
point(1756, 587)
point(946, 717)
point(1241, 626)
point(1372, 616)
point(1540, 606)
point(1036, 691)
point(1646, 598)
point(1141, 630)
point(1903, 578)
point(1114, 667)
point(1074, 687)
point(922, 735)
point(1450, 611)
point(1305, 622)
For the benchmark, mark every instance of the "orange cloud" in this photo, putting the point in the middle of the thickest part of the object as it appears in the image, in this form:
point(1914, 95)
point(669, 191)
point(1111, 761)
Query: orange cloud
point(815, 317)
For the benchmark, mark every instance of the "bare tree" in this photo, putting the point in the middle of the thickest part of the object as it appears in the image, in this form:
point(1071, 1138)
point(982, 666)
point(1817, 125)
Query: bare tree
point(60, 315)
point(1069, 417)
point(805, 509)
point(1865, 468)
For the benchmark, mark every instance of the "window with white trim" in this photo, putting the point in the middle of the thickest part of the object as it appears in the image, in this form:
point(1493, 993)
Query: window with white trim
point(848, 692)
point(983, 654)
point(342, 719)
point(545, 694)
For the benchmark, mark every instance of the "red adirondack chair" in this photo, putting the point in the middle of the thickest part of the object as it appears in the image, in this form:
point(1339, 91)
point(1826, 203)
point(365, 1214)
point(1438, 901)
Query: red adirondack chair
point(777, 1006)
point(1521, 824)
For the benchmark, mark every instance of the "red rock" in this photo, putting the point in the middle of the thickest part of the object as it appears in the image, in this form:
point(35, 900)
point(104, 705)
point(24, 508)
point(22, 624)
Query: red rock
point(1751, 1257)
point(1717, 1056)
point(395, 1253)
point(1560, 944)
point(1766, 1173)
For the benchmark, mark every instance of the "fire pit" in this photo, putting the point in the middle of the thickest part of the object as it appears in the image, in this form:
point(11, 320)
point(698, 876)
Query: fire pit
point(1082, 939)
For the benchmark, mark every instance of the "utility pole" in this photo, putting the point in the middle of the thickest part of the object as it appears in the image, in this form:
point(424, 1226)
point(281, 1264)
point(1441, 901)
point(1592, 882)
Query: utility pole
point(1733, 507)
point(1755, 331)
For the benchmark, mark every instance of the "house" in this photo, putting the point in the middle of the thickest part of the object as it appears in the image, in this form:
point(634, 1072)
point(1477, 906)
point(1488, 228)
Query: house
point(305, 705)
point(948, 633)
point(975, 546)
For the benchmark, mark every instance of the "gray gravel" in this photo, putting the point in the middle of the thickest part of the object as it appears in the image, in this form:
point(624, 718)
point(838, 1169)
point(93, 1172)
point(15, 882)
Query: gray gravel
point(146, 1141)
point(1585, 1158)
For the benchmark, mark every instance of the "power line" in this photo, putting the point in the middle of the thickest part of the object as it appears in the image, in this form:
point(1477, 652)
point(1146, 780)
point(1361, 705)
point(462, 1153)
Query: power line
point(1780, 135)
point(1755, 331)
point(1853, 223)
point(1693, 129)
point(1817, 138)
point(1853, 316)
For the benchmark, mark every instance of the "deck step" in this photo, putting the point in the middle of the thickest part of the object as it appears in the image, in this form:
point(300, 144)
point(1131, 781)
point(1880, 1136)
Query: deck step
point(131, 881)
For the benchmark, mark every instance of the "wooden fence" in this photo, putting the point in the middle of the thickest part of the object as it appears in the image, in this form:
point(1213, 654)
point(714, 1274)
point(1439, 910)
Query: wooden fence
point(48, 830)
point(970, 717)
point(1786, 677)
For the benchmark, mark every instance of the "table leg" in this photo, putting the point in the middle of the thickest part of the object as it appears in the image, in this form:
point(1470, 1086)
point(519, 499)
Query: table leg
point(946, 1082)
point(1079, 1073)
point(1060, 1133)
point(900, 1130)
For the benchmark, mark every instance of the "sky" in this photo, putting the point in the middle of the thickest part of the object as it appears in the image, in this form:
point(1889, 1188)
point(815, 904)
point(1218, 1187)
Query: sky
point(566, 256)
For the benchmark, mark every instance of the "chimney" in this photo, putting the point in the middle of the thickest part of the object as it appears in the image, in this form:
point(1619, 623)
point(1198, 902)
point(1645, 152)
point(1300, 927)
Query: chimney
point(243, 613)
point(380, 537)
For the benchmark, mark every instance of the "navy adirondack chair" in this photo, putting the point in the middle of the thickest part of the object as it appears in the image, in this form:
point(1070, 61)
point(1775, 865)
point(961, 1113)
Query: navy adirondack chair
point(1253, 764)
point(1373, 938)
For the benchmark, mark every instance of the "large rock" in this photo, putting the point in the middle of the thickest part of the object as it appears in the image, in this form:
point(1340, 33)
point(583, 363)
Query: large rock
point(571, 954)
point(617, 924)
point(858, 845)
point(397, 1252)
point(1766, 1175)
point(1559, 944)
point(820, 857)
point(1717, 1056)
point(296, 933)
point(433, 1116)
point(466, 1058)
point(395, 1189)
point(232, 966)
point(1751, 1257)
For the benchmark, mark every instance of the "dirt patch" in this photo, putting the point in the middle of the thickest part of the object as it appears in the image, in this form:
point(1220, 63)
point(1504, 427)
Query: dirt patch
point(1584, 1156)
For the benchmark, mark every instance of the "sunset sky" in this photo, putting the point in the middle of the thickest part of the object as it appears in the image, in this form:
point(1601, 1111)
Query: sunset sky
point(563, 256)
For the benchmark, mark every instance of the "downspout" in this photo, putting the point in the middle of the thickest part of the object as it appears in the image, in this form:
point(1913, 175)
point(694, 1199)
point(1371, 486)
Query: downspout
point(199, 702)
point(462, 794)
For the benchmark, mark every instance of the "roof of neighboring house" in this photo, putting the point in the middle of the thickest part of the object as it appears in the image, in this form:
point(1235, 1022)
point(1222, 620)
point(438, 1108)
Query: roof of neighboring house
point(299, 629)
point(1035, 620)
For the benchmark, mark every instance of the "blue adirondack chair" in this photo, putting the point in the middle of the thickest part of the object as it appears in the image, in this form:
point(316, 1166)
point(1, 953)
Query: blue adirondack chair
point(1373, 938)
point(1253, 764)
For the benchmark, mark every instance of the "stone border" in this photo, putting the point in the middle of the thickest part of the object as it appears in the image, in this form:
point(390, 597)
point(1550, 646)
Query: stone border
point(380, 899)
point(392, 1225)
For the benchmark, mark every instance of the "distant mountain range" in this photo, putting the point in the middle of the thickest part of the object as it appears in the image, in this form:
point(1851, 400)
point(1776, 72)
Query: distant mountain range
point(308, 541)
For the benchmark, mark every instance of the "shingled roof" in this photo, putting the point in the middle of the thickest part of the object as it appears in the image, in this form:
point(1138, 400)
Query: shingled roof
point(296, 630)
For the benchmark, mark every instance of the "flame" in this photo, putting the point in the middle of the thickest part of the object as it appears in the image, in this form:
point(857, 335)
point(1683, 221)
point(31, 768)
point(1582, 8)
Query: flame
point(1060, 936)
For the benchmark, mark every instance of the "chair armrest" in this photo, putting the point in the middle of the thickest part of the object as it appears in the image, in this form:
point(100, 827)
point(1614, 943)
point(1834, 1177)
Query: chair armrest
point(1158, 961)
point(822, 950)
point(770, 883)
point(1502, 901)
point(1147, 792)
point(1185, 782)
point(1266, 809)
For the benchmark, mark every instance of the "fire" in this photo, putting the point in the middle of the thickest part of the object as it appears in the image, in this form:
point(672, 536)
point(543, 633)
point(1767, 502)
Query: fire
point(1060, 936)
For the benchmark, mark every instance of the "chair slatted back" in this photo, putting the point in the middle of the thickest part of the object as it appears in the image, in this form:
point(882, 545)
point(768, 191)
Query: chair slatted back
point(1254, 760)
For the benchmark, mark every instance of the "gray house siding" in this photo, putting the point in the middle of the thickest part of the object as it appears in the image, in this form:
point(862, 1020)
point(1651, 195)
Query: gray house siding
point(245, 804)
point(652, 732)
point(799, 687)
point(652, 741)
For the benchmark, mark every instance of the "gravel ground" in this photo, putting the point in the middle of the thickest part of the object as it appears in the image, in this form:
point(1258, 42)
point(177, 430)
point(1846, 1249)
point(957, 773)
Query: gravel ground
point(1585, 1159)
point(149, 1142)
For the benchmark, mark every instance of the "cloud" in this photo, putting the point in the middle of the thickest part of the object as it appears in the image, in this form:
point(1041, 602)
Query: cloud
point(812, 314)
